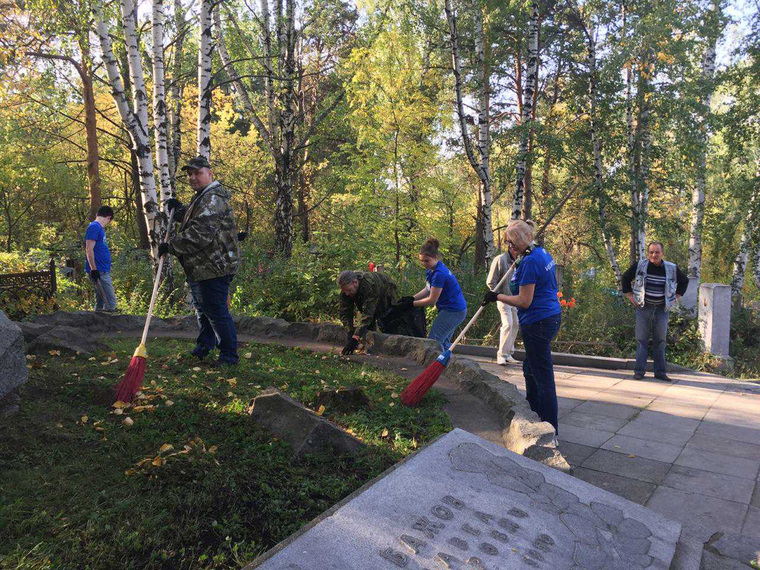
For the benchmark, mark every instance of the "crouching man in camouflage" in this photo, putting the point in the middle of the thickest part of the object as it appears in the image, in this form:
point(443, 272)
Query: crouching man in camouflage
point(206, 245)
point(374, 294)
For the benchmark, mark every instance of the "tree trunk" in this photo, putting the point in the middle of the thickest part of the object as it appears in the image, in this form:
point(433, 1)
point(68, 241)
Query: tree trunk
point(91, 130)
point(531, 82)
point(640, 162)
point(205, 49)
point(596, 145)
point(748, 235)
point(631, 148)
point(136, 118)
point(159, 103)
point(175, 94)
point(142, 226)
point(698, 194)
point(480, 166)
point(484, 136)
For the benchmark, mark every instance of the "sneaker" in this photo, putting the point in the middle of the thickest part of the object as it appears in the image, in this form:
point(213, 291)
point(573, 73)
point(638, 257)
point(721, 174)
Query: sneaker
point(511, 360)
point(638, 376)
point(555, 441)
point(664, 377)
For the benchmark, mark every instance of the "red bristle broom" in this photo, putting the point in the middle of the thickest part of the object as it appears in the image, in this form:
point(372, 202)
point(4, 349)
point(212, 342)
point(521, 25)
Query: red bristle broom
point(132, 381)
point(413, 393)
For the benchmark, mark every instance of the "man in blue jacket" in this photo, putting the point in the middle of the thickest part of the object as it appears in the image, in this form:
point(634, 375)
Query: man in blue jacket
point(98, 260)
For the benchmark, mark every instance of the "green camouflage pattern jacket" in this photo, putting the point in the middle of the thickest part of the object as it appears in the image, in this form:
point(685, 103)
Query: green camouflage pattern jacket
point(374, 297)
point(206, 242)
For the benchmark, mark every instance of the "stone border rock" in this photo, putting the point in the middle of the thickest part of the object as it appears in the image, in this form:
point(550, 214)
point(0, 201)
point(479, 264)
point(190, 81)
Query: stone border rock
point(522, 430)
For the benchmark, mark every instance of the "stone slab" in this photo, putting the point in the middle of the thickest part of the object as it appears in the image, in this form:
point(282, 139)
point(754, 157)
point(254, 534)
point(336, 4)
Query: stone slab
point(755, 501)
point(582, 435)
point(631, 489)
point(739, 433)
point(13, 370)
point(712, 484)
point(692, 508)
point(752, 523)
point(725, 446)
point(718, 463)
point(609, 409)
point(643, 448)
point(593, 421)
point(622, 464)
point(575, 453)
point(464, 502)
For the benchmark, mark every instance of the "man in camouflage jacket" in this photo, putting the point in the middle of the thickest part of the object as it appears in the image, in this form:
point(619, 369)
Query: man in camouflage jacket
point(206, 245)
point(373, 294)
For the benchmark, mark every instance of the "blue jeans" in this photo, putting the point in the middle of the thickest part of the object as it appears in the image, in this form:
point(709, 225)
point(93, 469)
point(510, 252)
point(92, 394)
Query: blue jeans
point(105, 300)
point(651, 321)
point(538, 369)
point(444, 325)
point(216, 326)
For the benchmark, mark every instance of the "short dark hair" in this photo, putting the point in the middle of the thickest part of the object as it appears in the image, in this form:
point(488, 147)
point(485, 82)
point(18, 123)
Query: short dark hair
point(105, 212)
point(651, 243)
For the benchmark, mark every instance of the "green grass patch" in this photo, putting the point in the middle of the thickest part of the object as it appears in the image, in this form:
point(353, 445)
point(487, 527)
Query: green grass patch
point(81, 489)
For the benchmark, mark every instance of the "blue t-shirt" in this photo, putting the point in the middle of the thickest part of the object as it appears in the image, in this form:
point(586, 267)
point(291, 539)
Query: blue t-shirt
point(537, 269)
point(97, 233)
point(451, 298)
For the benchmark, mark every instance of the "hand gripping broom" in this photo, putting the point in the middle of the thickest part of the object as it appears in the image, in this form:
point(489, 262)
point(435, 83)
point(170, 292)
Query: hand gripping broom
point(413, 393)
point(130, 384)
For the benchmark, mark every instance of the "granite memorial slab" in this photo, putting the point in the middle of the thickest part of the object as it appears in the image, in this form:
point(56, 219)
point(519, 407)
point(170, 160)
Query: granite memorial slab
point(463, 502)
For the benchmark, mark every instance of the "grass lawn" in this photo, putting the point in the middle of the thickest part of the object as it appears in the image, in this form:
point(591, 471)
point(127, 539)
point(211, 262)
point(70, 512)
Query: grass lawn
point(193, 482)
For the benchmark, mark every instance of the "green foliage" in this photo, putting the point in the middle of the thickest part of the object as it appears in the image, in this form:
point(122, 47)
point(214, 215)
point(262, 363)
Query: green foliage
point(82, 490)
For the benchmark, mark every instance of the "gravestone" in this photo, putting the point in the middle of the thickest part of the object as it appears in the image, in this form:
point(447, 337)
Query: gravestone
point(463, 502)
point(13, 371)
point(715, 317)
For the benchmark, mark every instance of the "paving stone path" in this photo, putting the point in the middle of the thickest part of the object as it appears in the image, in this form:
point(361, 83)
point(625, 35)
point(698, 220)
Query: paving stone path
point(688, 449)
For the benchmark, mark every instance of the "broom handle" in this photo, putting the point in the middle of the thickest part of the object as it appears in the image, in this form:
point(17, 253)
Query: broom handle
point(511, 269)
point(156, 282)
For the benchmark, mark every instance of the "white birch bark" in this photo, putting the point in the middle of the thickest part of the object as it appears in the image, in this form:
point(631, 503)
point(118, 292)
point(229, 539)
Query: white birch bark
point(596, 145)
point(631, 149)
point(749, 233)
point(205, 49)
point(135, 119)
point(698, 194)
point(531, 82)
point(484, 135)
point(479, 165)
point(159, 102)
point(756, 265)
point(175, 92)
point(646, 145)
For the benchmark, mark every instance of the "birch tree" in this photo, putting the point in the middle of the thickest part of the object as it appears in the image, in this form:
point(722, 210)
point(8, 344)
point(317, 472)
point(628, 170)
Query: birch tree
point(531, 84)
point(134, 115)
point(749, 235)
point(589, 33)
point(698, 194)
point(159, 102)
point(176, 89)
point(284, 128)
point(205, 51)
point(479, 163)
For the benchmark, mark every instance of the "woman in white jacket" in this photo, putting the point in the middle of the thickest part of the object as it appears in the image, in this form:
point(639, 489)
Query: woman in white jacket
point(509, 327)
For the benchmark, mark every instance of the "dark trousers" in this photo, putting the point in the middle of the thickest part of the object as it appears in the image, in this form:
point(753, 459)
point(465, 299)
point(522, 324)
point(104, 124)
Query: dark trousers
point(214, 320)
point(538, 369)
point(651, 322)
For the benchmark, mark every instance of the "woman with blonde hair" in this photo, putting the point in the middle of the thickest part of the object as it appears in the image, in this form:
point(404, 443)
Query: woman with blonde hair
point(442, 290)
point(534, 293)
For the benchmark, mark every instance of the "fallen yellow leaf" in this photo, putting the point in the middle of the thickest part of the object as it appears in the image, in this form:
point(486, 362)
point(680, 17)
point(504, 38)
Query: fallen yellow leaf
point(321, 410)
point(120, 404)
point(166, 447)
point(196, 368)
point(394, 395)
point(169, 403)
point(118, 412)
point(128, 421)
point(385, 433)
point(158, 461)
point(55, 353)
point(84, 419)
point(213, 449)
point(248, 355)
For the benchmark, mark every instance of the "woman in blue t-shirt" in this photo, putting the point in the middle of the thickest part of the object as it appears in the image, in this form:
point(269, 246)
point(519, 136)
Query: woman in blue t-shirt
point(441, 290)
point(534, 293)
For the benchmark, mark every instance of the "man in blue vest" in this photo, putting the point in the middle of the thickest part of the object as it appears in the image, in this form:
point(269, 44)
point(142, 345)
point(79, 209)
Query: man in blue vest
point(657, 285)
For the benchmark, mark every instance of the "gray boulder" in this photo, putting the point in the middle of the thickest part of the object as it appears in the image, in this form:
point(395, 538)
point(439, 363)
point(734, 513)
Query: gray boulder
point(32, 330)
point(13, 371)
point(304, 430)
point(68, 340)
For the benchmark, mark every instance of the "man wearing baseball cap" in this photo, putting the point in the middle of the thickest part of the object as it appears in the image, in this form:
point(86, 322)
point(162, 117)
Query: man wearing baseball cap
point(206, 245)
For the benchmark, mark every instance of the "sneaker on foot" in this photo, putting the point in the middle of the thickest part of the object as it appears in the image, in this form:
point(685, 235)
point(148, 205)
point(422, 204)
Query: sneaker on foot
point(511, 360)
point(638, 376)
point(555, 441)
point(664, 377)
